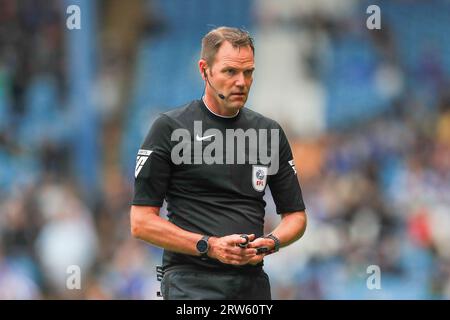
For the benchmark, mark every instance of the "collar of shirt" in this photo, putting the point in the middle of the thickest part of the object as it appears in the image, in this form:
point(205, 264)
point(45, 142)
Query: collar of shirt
point(218, 115)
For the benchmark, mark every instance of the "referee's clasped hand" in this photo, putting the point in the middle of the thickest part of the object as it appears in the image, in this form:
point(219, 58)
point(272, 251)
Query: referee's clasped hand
point(227, 250)
point(260, 243)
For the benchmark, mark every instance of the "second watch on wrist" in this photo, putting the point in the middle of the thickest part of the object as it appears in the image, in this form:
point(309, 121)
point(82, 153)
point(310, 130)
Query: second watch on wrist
point(276, 240)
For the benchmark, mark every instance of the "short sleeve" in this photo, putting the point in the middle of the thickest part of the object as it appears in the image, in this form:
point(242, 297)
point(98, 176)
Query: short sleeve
point(284, 184)
point(153, 165)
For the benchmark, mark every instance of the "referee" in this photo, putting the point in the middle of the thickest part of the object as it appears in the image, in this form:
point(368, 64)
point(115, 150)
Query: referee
point(211, 160)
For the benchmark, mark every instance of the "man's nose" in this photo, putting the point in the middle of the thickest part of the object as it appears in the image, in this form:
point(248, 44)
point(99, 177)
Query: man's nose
point(240, 80)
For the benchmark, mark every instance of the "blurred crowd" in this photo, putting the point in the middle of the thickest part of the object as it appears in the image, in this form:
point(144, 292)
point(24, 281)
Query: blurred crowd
point(46, 225)
point(377, 192)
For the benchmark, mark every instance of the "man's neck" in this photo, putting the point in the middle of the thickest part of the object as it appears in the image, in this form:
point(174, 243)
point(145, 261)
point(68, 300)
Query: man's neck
point(215, 109)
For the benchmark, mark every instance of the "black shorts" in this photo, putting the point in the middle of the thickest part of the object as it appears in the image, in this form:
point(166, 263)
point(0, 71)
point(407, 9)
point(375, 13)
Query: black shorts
point(192, 283)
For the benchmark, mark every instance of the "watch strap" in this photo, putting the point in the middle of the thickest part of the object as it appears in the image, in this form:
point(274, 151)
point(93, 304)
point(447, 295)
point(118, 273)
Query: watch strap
point(276, 240)
point(204, 255)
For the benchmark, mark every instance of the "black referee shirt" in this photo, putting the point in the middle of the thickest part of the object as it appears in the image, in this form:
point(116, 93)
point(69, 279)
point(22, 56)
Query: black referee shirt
point(208, 188)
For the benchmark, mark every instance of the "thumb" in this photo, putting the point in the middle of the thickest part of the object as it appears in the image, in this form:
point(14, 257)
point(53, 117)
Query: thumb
point(245, 239)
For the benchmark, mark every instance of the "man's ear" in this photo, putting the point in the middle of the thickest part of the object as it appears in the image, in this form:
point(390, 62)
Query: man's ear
point(203, 65)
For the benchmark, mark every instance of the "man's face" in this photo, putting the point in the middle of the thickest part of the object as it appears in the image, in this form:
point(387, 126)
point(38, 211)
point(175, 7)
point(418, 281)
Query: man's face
point(232, 75)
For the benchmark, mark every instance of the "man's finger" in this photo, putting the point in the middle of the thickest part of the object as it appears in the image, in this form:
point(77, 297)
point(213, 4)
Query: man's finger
point(249, 252)
point(257, 243)
point(244, 241)
point(242, 251)
point(251, 255)
point(234, 239)
point(256, 260)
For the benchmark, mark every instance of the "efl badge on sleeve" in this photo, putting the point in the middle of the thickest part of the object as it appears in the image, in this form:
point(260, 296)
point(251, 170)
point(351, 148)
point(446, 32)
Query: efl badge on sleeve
point(259, 177)
point(140, 160)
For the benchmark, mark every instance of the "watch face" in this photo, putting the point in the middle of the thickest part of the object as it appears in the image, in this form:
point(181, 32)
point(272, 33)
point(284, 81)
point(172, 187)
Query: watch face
point(202, 246)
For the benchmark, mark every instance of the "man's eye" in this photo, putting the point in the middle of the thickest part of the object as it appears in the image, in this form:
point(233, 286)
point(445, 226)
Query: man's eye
point(248, 73)
point(230, 71)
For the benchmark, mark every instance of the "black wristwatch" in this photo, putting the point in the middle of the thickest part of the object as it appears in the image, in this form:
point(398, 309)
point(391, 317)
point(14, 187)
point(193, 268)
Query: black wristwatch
point(203, 246)
point(276, 240)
